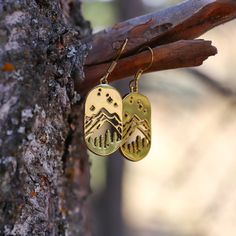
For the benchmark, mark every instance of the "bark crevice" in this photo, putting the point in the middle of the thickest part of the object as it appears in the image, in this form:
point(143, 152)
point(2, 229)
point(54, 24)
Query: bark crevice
point(40, 50)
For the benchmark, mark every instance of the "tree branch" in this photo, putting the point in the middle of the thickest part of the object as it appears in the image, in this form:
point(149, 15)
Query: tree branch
point(184, 53)
point(164, 31)
point(187, 20)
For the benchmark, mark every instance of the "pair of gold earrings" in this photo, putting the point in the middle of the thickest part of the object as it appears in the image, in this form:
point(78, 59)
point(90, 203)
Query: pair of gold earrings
point(111, 122)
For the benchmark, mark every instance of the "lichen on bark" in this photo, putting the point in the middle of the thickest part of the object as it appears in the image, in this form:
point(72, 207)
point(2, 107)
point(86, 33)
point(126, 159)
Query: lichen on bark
point(43, 165)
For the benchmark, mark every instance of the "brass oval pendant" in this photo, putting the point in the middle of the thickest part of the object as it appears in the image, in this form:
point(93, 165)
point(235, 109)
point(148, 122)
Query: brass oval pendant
point(137, 126)
point(103, 120)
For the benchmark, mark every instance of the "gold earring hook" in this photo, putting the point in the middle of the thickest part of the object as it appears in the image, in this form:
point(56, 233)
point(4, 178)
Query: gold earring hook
point(135, 87)
point(104, 80)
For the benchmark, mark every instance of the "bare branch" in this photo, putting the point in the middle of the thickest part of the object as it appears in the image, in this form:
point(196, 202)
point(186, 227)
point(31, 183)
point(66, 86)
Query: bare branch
point(184, 53)
point(187, 20)
point(170, 32)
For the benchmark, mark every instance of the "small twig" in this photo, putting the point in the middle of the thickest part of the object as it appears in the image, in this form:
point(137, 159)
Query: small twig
point(187, 20)
point(169, 32)
point(184, 53)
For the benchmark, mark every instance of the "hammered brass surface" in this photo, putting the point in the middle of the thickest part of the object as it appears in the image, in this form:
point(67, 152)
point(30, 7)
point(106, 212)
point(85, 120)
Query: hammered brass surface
point(103, 120)
point(136, 126)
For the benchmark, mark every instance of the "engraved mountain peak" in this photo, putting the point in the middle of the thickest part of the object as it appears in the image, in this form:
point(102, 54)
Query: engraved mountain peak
point(136, 123)
point(96, 121)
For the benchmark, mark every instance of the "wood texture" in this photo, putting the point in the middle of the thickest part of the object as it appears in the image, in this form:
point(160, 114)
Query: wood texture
point(44, 169)
point(185, 21)
point(184, 53)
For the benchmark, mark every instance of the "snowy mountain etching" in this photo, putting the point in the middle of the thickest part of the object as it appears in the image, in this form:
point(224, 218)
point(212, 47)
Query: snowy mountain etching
point(103, 130)
point(136, 133)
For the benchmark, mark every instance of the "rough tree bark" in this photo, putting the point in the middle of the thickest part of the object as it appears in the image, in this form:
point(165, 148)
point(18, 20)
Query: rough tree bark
point(44, 168)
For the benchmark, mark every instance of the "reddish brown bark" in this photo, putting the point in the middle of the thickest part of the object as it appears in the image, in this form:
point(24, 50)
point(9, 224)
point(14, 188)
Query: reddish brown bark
point(184, 53)
point(165, 28)
point(184, 21)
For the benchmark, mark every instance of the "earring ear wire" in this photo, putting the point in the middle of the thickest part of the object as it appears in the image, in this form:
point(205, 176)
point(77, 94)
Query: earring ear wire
point(104, 79)
point(135, 87)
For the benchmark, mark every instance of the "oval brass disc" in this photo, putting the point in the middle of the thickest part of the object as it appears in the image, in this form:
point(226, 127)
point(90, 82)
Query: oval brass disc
point(103, 120)
point(136, 126)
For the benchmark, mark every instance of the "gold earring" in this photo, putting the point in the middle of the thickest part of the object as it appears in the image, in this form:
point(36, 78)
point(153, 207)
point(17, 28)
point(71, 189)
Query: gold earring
point(103, 115)
point(136, 120)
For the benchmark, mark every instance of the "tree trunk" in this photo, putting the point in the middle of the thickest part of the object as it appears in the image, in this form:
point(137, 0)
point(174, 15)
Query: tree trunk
point(44, 168)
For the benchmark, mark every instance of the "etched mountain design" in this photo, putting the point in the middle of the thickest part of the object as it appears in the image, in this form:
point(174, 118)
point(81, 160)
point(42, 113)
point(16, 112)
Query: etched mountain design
point(103, 130)
point(136, 123)
point(97, 120)
point(136, 133)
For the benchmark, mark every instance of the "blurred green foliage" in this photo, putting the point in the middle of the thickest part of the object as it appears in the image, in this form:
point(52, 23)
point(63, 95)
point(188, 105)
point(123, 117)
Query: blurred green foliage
point(98, 172)
point(100, 14)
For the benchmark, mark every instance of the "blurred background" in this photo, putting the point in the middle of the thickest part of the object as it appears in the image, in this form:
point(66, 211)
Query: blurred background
point(186, 185)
